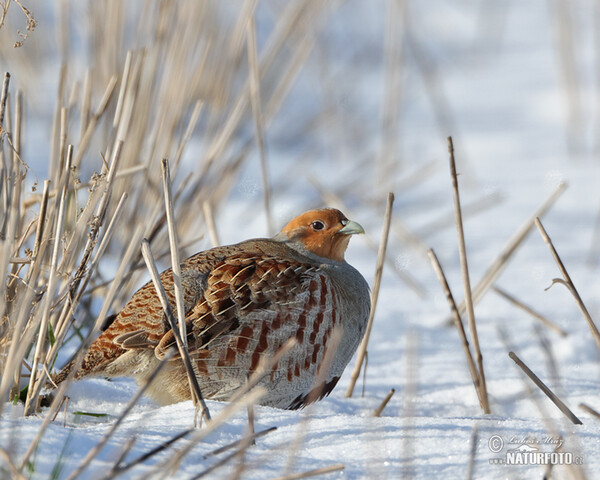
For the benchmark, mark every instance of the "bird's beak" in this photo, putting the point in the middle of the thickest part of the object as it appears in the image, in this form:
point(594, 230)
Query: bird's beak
point(352, 228)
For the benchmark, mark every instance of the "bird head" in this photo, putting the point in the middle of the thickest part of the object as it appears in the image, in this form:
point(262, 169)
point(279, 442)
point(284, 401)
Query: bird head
point(324, 232)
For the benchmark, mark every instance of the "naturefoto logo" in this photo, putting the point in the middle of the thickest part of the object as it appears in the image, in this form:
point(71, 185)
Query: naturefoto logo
point(531, 451)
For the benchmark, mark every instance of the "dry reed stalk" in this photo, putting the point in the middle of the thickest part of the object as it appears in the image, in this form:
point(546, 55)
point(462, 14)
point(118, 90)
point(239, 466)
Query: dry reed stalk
point(315, 392)
point(169, 467)
point(473, 451)
point(544, 388)
point(313, 473)
point(590, 410)
point(526, 308)
point(209, 219)
point(249, 394)
point(118, 470)
point(287, 22)
point(100, 445)
point(181, 346)
point(31, 403)
point(409, 400)
point(458, 322)
point(15, 474)
point(259, 122)
point(93, 121)
point(569, 283)
point(469, 209)
point(66, 316)
point(567, 59)
point(462, 250)
point(3, 99)
point(379, 410)
point(393, 49)
point(238, 443)
point(374, 294)
point(511, 246)
point(175, 259)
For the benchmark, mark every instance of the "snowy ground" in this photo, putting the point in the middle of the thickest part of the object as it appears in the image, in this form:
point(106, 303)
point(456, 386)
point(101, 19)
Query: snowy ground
point(497, 67)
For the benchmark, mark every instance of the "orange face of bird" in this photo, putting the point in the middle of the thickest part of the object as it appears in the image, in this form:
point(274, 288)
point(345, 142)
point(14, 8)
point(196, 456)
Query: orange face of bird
point(325, 232)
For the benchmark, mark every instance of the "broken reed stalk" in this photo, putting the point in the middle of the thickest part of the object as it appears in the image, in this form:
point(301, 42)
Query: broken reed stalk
point(259, 122)
point(511, 246)
point(100, 445)
point(384, 402)
point(462, 250)
point(437, 267)
point(183, 352)
point(313, 473)
point(569, 283)
point(374, 294)
point(526, 308)
point(544, 388)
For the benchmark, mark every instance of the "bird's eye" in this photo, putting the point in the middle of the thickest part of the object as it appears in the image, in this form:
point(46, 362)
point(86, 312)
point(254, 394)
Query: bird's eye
point(318, 225)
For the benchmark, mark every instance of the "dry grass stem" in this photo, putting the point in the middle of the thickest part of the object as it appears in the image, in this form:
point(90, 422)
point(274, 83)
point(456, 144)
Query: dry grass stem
point(569, 283)
point(379, 410)
point(526, 308)
point(462, 250)
point(183, 352)
point(542, 386)
point(374, 294)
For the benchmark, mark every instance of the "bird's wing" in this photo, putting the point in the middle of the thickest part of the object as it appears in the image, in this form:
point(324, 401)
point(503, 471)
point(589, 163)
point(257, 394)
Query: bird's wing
point(239, 287)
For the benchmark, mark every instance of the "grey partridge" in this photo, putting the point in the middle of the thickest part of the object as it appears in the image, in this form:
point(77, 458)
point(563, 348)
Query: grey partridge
point(243, 302)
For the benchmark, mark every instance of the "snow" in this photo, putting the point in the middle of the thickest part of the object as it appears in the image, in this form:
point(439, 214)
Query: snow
point(500, 74)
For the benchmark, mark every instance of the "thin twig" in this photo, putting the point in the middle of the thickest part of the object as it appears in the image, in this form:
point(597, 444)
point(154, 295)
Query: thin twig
point(374, 293)
point(542, 386)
